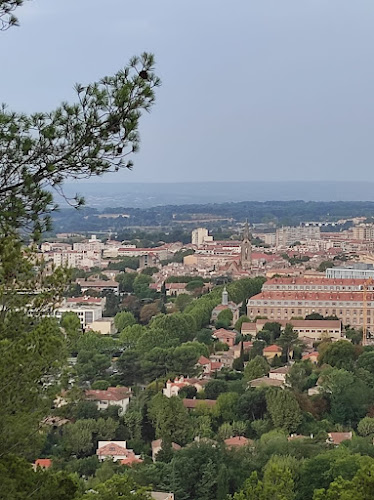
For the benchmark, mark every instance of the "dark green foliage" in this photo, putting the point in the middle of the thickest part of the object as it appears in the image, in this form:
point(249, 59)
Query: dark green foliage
point(214, 388)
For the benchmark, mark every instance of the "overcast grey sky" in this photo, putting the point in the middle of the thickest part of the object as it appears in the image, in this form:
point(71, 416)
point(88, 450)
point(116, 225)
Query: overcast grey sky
point(252, 89)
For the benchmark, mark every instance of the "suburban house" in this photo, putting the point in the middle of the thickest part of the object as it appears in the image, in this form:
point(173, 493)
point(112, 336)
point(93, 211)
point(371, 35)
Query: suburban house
point(157, 446)
point(43, 463)
point(249, 328)
point(275, 378)
point(113, 396)
point(237, 442)
point(336, 438)
point(312, 356)
point(227, 337)
point(191, 404)
point(116, 451)
point(224, 358)
point(279, 373)
point(173, 388)
point(271, 351)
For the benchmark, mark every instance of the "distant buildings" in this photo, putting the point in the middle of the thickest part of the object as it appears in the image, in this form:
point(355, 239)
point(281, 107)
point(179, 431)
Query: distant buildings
point(286, 236)
point(200, 236)
point(355, 271)
point(88, 309)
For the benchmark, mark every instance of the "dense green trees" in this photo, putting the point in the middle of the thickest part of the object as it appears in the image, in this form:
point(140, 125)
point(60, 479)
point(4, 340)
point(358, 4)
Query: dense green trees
point(284, 409)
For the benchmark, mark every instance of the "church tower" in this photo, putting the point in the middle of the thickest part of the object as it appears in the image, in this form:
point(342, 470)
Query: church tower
point(246, 249)
point(225, 297)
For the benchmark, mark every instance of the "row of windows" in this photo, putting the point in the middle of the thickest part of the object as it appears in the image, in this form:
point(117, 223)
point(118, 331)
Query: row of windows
point(311, 303)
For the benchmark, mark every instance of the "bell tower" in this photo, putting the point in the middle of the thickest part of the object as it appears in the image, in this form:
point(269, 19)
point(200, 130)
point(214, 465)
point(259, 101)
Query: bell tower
point(246, 249)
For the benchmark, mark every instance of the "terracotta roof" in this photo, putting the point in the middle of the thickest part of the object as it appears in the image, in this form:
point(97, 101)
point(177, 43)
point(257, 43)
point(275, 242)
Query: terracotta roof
point(310, 355)
point(282, 369)
point(112, 450)
point(237, 441)
point(131, 459)
point(203, 361)
point(339, 437)
point(193, 403)
point(215, 365)
point(224, 333)
point(111, 394)
point(272, 348)
point(248, 326)
point(302, 295)
point(312, 280)
point(175, 286)
point(247, 345)
point(44, 463)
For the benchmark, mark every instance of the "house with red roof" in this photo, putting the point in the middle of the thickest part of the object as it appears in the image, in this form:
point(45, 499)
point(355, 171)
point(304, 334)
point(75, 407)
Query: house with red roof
point(116, 451)
point(312, 356)
point(43, 463)
point(271, 351)
point(228, 337)
point(113, 396)
point(173, 388)
point(191, 404)
point(338, 437)
point(237, 442)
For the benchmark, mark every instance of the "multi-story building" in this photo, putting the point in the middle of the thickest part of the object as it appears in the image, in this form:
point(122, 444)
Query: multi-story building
point(286, 236)
point(200, 236)
point(88, 309)
point(363, 232)
point(92, 245)
point(287, 304)
point(357, 271)
point(317, 284)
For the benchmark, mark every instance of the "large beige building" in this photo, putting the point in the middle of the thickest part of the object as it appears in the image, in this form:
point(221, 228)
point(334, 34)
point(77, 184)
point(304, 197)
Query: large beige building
point(286, 236)
point(284, 305)
point(296, 297)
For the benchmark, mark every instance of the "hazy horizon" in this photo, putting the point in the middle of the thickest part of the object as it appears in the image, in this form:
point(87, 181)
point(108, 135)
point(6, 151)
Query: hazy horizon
point(143, 195)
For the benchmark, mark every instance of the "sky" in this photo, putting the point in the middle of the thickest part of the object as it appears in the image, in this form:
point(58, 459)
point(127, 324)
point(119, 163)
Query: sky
point(252, 89)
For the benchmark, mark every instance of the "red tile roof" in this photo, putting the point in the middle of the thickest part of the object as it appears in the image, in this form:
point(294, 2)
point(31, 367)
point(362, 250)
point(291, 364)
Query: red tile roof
point(44, 463)
point(306, 295)
point(237, 441)
point(203, 361)
point(313, 280)
point(112, 450)
point(339, 437)
point(193, 403)
point(111, 394)
point(272, 348)
point(222, 333)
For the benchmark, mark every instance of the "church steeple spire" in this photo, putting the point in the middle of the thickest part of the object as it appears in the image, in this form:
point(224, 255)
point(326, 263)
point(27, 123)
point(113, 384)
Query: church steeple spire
point(246, 249)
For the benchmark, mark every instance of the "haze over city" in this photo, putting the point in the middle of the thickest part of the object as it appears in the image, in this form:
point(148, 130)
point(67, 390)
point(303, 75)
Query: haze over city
point(252, 90)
